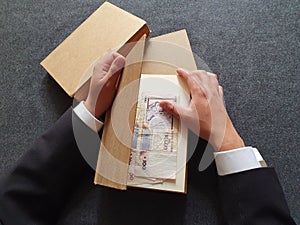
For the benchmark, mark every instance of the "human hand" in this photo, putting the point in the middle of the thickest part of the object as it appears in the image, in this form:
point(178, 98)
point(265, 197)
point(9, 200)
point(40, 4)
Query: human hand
point(104, 83)
point(206, 114)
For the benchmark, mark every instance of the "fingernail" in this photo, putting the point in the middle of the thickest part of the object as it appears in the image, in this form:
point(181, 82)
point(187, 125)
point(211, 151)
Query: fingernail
point(115, 54)
point(181, 70)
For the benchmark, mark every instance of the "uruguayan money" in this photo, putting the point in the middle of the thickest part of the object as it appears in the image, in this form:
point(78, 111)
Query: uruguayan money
point(154, 145)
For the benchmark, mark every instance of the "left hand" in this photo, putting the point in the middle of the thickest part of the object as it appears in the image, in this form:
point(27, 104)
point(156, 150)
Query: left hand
point(104, 83)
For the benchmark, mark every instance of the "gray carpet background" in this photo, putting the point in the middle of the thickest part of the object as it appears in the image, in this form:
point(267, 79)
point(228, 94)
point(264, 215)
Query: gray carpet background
point(252, 45)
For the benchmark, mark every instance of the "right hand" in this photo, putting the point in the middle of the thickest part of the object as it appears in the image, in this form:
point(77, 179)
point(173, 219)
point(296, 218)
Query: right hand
point(206, 114)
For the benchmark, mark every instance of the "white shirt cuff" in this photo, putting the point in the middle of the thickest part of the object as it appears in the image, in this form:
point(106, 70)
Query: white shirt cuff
point(86, 117)
point(238, 160)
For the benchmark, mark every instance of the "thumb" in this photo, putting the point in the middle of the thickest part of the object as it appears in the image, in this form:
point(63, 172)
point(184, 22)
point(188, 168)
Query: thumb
point(172, 108)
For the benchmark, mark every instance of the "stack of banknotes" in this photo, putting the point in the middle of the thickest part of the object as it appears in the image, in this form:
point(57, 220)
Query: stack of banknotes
point(153, 157)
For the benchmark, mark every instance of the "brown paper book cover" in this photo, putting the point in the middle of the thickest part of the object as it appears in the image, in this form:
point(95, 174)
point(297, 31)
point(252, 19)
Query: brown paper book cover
point(107, 29)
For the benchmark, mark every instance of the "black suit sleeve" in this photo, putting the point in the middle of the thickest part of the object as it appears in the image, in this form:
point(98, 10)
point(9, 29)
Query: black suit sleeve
point(253, 197)
point(37, 189)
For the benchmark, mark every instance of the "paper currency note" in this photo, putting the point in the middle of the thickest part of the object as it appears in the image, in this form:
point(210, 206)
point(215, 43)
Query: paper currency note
point(155, 117)
point(155, 164)
point(154, 129)
point(154, 142)
point(133, 179)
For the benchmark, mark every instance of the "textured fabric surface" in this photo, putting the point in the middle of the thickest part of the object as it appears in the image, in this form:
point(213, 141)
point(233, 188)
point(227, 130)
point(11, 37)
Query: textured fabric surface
point(252, 45)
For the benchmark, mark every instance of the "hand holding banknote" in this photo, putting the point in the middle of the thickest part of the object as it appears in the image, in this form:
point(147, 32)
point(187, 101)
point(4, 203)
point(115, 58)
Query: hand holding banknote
point(206, 106)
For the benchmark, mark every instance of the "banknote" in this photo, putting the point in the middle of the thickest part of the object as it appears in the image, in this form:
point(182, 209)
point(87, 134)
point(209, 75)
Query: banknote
point(155, 164)
point(155, 117)
point(154, 128)
point(134, 179)
point(154, 143)
point(142, 180)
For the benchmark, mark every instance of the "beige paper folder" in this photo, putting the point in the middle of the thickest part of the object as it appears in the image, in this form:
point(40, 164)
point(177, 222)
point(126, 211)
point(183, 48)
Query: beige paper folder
point(107, 29)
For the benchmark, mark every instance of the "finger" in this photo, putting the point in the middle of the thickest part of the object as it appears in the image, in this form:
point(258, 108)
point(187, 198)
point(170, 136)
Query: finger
point(116, 54)
point(212, 75)
point(116, 66)
point(188, 78)
point(221, 92)
point(104, 64)
point(112, 76)
point(199, 77)
point(174, 109)
point(110, 57)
